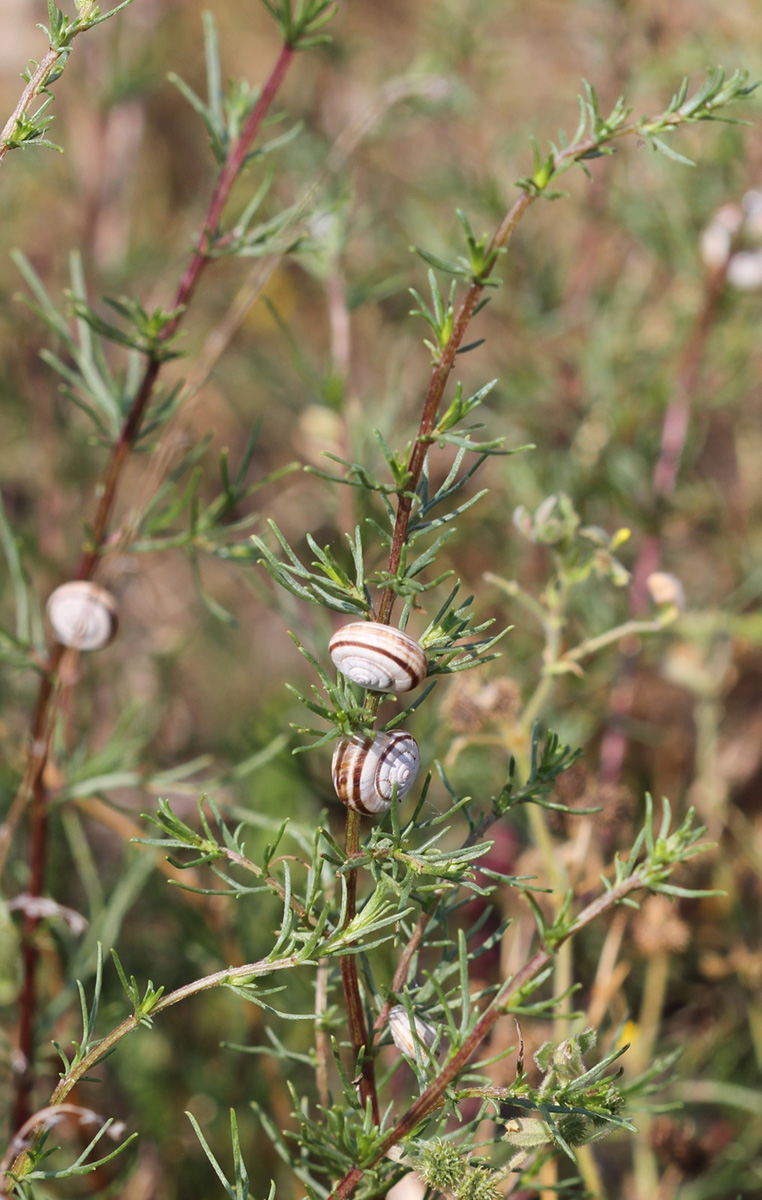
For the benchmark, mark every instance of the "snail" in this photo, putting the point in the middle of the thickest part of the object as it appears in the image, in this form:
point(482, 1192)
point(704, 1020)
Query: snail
point(402, 1032)
point(83, 615)
point(365, 770)
point(378, 657)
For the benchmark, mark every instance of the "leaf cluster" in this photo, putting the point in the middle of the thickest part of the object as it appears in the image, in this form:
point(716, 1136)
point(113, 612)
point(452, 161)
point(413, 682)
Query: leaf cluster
point(29, 128)
point(549, 759)
point(177, 517)
point(576, 1105)
point(301, 21)
point(474, 266)
point(88, 379)
point(61, 29)
point(225, 115)
point(595, 133)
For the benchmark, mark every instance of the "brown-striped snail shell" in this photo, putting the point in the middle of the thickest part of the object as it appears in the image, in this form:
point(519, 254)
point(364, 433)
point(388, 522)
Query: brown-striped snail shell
point(402, 1032)
point(83, 615)
point(378, 657)
point(365, 770)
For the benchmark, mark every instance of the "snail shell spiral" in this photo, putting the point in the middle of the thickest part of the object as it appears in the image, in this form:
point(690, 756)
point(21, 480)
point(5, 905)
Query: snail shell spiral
point(378, 657)
point(365, 770)
point(83, 615)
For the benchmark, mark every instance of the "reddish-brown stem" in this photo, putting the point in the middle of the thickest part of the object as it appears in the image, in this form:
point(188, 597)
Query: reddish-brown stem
point(431, 1098)
point(355, 1014)
point(32, 782)
point(675, 431)
point(416, 460)
point(440, 375)
point(30, 955)
point(403, 966)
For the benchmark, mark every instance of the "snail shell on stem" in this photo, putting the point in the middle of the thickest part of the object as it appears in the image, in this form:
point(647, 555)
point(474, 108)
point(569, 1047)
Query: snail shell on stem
point(378, 657)
point(403, 1036)
point(365, 770)
point(83, 615)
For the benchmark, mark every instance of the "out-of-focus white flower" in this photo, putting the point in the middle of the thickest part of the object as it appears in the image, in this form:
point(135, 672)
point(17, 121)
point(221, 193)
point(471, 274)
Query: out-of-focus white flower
point(745, 270)
point(733, 224)
point(716, 240)
point(664, 588)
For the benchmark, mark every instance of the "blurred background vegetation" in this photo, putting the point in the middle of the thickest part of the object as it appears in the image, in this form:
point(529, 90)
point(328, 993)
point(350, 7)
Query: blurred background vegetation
point(596, 329)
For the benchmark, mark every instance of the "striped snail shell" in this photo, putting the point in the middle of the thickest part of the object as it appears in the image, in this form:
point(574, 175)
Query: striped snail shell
point(365, 770)
point(378, 657)
point(83, 615)
point(403, 1036)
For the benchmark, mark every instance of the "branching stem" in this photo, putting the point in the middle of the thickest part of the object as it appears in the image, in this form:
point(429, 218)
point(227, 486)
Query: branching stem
point(433, 1096)
point(32, 785)
point(34, 87)
point(230, 975)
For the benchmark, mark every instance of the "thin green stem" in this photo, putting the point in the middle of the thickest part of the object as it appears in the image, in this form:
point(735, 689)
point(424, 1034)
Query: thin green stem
point(34, 87)
point(626, 629)
point(230, 975)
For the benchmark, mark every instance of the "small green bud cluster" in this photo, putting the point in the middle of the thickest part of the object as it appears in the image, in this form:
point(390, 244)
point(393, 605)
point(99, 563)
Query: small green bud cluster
point(443, 1167)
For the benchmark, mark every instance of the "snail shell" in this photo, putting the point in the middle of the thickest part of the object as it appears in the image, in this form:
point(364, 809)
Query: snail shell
point(365, 770)
point(378, 657)
point(83, 615)
point(402, 1033)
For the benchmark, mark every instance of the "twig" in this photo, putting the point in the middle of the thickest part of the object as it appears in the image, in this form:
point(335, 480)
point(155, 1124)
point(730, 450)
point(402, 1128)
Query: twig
point(432, 1097)
point(44, 713)
point(355, 1014)
point(230, 975)
point(34, 87)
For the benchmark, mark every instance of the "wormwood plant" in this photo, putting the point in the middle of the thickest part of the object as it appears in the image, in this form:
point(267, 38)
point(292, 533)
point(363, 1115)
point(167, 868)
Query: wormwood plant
point(380, 921)
point(28, 128)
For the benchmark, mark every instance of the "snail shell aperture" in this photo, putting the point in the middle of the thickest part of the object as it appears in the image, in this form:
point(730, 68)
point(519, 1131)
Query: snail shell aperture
point(378, 657)
point(365, 770)
point(83, 615)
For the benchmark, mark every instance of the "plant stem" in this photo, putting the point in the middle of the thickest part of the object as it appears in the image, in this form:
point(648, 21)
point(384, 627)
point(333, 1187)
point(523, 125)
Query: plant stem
point(433, 1096)
point(35, 86)
point(403, 966)
point(673, 436)
point(417, 457)
point(44, 711)
point(355, 1013)
point(230, 975)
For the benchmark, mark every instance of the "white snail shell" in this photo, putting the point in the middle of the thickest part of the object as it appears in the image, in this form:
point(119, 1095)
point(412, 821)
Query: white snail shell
point(83, 615)
point(365, 770)
point(378, 657)
point(402, 1033)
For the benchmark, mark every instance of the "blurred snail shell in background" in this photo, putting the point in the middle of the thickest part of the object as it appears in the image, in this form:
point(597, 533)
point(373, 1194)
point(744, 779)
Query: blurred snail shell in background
point(83, 615)
point(402, 1033)
point(378, 657)
point(664, 588)
point(365, 770)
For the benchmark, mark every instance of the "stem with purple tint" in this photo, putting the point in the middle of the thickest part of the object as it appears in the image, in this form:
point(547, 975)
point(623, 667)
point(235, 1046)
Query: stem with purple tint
point(33, 783)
